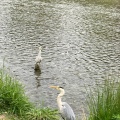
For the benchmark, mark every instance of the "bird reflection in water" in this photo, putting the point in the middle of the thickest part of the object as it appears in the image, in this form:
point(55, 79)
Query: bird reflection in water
point(37, 74)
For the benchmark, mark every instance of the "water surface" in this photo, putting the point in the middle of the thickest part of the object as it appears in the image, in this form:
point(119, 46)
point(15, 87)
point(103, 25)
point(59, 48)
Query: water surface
point(81, 44)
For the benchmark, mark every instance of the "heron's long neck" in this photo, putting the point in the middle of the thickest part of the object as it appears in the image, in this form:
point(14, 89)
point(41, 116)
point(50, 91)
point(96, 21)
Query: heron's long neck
point(62, 92)
point(39, 54)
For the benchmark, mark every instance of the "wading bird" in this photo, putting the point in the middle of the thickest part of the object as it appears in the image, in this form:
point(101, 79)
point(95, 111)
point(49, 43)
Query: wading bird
point(38, 59)
point(64, 108)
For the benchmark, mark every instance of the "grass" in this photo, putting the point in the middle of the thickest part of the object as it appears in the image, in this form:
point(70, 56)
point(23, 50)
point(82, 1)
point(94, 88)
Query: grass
point(12, 96)
point(15, 105)
point(104, 102)
point(42, 114)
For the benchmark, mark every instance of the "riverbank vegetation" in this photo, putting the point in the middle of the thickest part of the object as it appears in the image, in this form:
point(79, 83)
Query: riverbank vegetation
point(14, 105)
point(104, 101)
point(104, 2)
point(99, 2)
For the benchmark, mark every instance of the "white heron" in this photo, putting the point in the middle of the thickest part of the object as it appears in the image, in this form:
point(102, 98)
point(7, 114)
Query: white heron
point(64, 108)
point(38, 59)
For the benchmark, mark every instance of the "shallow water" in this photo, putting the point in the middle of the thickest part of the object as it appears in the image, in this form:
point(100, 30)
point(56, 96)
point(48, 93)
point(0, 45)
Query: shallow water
point(81, 44)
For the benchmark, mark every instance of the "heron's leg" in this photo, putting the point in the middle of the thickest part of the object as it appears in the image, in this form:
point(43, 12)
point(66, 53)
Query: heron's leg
point(62, 117)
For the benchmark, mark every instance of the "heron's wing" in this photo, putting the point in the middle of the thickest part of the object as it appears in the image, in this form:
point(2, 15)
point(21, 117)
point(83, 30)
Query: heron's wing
point(38, 59)
point(67, 112)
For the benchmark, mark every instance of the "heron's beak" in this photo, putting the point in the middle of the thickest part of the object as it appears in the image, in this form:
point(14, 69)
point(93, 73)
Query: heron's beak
point(56, 87)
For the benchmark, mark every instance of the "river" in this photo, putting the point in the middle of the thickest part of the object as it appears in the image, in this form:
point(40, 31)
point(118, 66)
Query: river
point(81, 45)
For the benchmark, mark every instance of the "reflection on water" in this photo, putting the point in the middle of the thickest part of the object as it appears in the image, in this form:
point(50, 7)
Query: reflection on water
point(37, 76)
point(80, 45)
